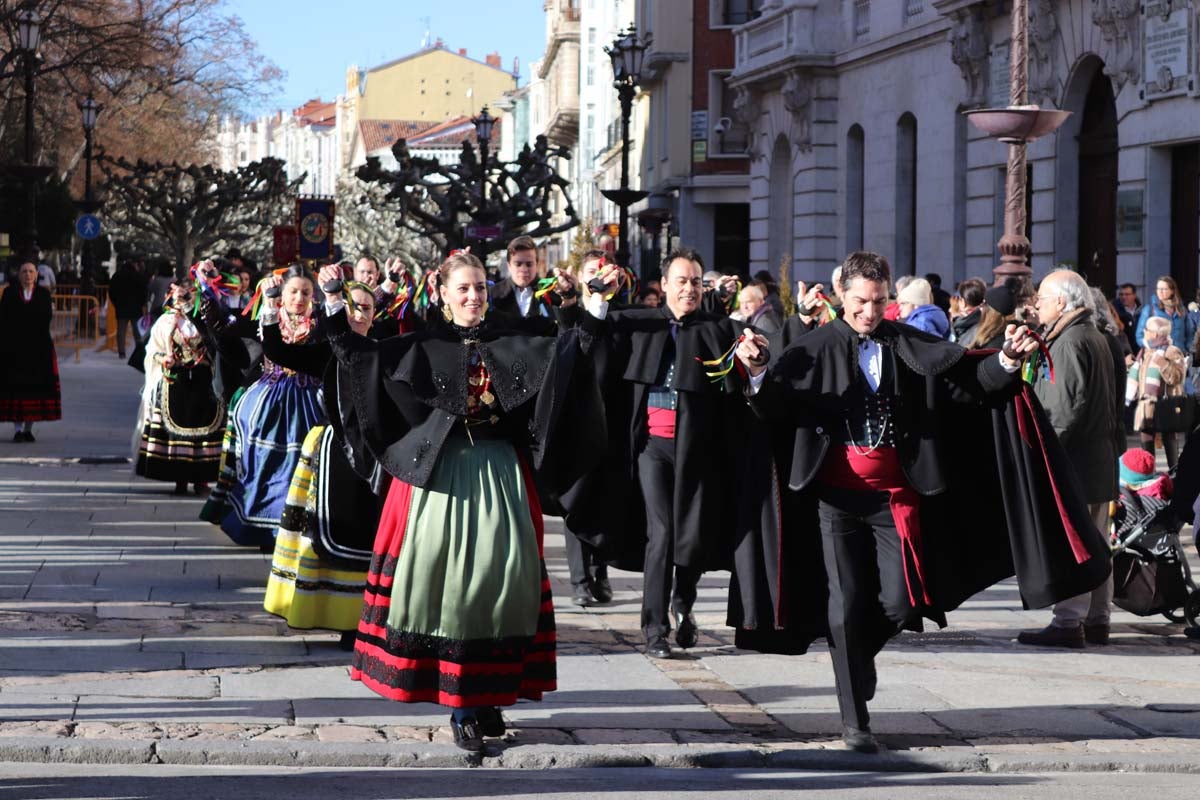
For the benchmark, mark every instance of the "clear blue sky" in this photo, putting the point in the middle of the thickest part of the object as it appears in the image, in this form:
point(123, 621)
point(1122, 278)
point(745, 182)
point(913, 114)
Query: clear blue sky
point(314, 42)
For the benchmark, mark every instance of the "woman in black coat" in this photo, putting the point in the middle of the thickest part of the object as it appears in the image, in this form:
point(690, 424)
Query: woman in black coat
point(29, 387)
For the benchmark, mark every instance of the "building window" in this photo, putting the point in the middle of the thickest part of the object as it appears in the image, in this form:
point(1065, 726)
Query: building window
point(591, 75)
point(906, 195)
point(727, 13)
point(591, 35)
point(862, 18)
point(913, 8)
point(727, 136)
point(855, 186)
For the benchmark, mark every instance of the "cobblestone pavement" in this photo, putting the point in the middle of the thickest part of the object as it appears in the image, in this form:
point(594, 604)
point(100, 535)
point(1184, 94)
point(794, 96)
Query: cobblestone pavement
point(132, 632)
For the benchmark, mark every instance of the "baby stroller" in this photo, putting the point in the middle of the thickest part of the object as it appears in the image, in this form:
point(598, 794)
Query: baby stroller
point(1150, 568)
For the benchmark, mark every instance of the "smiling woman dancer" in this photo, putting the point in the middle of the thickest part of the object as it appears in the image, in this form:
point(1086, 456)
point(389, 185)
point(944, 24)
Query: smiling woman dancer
point(458, 608)
point(270, 421)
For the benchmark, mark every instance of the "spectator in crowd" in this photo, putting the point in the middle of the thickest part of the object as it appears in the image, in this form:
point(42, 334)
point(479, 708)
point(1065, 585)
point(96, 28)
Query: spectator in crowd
point(1129, 311)
point(971, 293)
point(159, 288)
point(941, 298)
point(892, 312)
point(999, 307)
point(1167, 303)
point(1158, 373)
point(127, 293)
point(770, 291)
point(366, 271)
point(650, 297)
point(756, 312)
point(1082, 411)
point(29, 387)
point(46, 278)
point(514, 294)
point(918, 310)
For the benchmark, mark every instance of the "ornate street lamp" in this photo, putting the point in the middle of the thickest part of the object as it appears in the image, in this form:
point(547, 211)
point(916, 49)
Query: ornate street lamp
point(89, 111)
point(483, 134)
point(628, 52)
point(29, 38)
point(1016, 125)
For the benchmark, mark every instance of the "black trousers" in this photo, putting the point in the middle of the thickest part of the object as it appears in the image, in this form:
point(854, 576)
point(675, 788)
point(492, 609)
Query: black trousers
point(868, 595)
point(122, 325)
point(656, 473)
point(583, 561)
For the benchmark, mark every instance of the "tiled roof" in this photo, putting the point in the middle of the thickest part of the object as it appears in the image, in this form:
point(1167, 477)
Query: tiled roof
point(316, 112)
point(452, 133)
point(380, 134)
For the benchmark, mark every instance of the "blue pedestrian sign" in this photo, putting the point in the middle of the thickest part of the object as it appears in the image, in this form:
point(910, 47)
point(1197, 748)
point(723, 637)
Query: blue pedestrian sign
point(87, 226)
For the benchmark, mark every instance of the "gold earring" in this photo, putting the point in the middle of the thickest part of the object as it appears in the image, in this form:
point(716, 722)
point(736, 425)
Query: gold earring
point(447, 314)
point(483, 311)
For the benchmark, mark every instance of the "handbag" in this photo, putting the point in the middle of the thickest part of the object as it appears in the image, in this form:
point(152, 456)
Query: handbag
point(1175, 414)
point(1146, 585)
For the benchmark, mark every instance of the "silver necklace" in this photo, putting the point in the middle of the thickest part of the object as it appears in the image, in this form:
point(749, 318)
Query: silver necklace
point(867, 426)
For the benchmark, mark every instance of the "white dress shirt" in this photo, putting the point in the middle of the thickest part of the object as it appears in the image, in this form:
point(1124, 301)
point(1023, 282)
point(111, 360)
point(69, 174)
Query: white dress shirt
point(524, 298)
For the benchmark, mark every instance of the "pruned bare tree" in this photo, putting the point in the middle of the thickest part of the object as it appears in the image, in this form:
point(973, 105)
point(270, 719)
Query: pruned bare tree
point(366, 225)
point(187, 210)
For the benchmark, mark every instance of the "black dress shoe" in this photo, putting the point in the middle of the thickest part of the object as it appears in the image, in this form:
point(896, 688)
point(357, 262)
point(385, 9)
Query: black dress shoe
point(601, 590)
point(581, 595)
point(686, 631)
point(468, 735)
point(658, 647)
point(860, 740)
point(29, 436)
point(1052, 636)
point(491, 721)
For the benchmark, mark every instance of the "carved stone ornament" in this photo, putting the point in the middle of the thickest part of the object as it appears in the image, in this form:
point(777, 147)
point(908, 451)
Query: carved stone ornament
point(1043, 52)
point(969, 48)
point(747, 108)
point(1120, 25)
point(797, 93)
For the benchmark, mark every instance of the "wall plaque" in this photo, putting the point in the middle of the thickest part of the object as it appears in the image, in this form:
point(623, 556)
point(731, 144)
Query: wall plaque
point(1166, 46)
point(1130, 217)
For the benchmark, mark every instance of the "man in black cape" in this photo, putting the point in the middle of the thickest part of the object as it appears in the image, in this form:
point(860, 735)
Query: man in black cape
point(662, 499)
point(888, 440)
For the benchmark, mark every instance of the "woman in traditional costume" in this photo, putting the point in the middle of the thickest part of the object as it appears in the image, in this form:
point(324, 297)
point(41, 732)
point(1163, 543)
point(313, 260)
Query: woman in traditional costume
point(269, 422)
point(182, 419)
point(29, 387)
point(323, 546)
point(458, 608)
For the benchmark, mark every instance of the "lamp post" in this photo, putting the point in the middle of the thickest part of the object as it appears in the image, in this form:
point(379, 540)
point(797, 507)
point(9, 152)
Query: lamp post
point(29, 36)
point(1016, 125)
point(627, 52)
point(89, 111)
point(481, 228)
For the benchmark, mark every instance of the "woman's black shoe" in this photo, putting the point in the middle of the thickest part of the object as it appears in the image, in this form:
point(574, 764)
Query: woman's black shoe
point(29, 436)
point(601, 590)
point(686, 631)
point(491, 721)
point(347, 641)
point(467, 734)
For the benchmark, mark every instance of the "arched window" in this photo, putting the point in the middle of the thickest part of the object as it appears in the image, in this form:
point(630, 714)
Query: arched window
point(855, 187)
point(905, 258)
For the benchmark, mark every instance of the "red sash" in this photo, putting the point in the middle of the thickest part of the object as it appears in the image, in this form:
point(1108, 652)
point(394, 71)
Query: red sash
point(879, 471)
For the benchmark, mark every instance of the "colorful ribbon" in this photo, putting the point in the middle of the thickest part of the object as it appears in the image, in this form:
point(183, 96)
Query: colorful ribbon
point(829, 309)
point(255, 305)
point(723, 364)
point(1040, 363)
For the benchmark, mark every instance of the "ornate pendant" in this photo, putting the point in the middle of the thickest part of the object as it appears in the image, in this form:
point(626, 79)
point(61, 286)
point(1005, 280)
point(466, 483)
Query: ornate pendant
point(487, 397)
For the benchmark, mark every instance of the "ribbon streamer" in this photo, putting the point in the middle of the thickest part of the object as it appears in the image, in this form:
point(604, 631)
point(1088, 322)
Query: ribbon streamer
point(1040, 364)
point(723, 364)
point(255, 304)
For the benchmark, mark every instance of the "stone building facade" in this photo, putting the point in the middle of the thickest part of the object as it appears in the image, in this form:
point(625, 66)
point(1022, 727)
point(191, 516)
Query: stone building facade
point(858, 140)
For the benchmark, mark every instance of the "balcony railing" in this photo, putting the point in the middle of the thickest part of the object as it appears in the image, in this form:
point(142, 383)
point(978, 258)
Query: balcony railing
point(779, 35)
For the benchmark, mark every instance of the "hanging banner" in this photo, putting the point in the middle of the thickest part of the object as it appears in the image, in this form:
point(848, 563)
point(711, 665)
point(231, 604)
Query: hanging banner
point(314, 222)
point(286, 248)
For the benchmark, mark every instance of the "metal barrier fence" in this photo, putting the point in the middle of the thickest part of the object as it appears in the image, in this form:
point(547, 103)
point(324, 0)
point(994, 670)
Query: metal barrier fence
point(76, 322)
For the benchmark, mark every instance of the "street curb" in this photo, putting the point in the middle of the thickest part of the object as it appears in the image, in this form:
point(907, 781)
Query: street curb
point(380, 755)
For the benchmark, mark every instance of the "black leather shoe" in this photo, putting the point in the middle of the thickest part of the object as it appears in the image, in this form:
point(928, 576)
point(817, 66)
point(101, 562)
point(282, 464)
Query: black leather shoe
point(29, 436)
point(1096, 634)
point(686, 631)
point(467, 734)
point(860, 740)
point(1052, 636)
point(491, 721)
point(658, 647)
point(601, 590)
point(582, 595)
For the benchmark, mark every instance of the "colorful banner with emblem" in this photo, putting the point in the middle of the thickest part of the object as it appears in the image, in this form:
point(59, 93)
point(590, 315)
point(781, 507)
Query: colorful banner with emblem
point(314, 223)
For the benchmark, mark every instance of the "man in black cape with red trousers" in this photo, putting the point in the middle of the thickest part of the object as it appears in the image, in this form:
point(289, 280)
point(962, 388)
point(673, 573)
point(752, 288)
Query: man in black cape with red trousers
point(914, 474)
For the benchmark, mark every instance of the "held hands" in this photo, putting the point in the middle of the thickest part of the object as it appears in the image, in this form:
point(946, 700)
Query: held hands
point(393, 270)
point(331, 281)
point(272, 287)
point(1019, 344)
point(752, 352)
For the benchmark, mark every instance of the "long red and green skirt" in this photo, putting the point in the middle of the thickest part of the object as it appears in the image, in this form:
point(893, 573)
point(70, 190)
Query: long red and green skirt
point(457, 607)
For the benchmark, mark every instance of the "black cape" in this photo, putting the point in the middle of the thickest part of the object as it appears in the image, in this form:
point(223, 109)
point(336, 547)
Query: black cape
point(999, 496)
point(606, 508)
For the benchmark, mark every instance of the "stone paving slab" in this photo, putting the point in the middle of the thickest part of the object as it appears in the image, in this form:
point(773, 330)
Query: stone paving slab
point(118, 708)
point(177, 686)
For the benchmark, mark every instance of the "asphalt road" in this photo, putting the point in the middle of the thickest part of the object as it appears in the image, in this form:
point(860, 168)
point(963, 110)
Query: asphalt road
point(62, 782)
